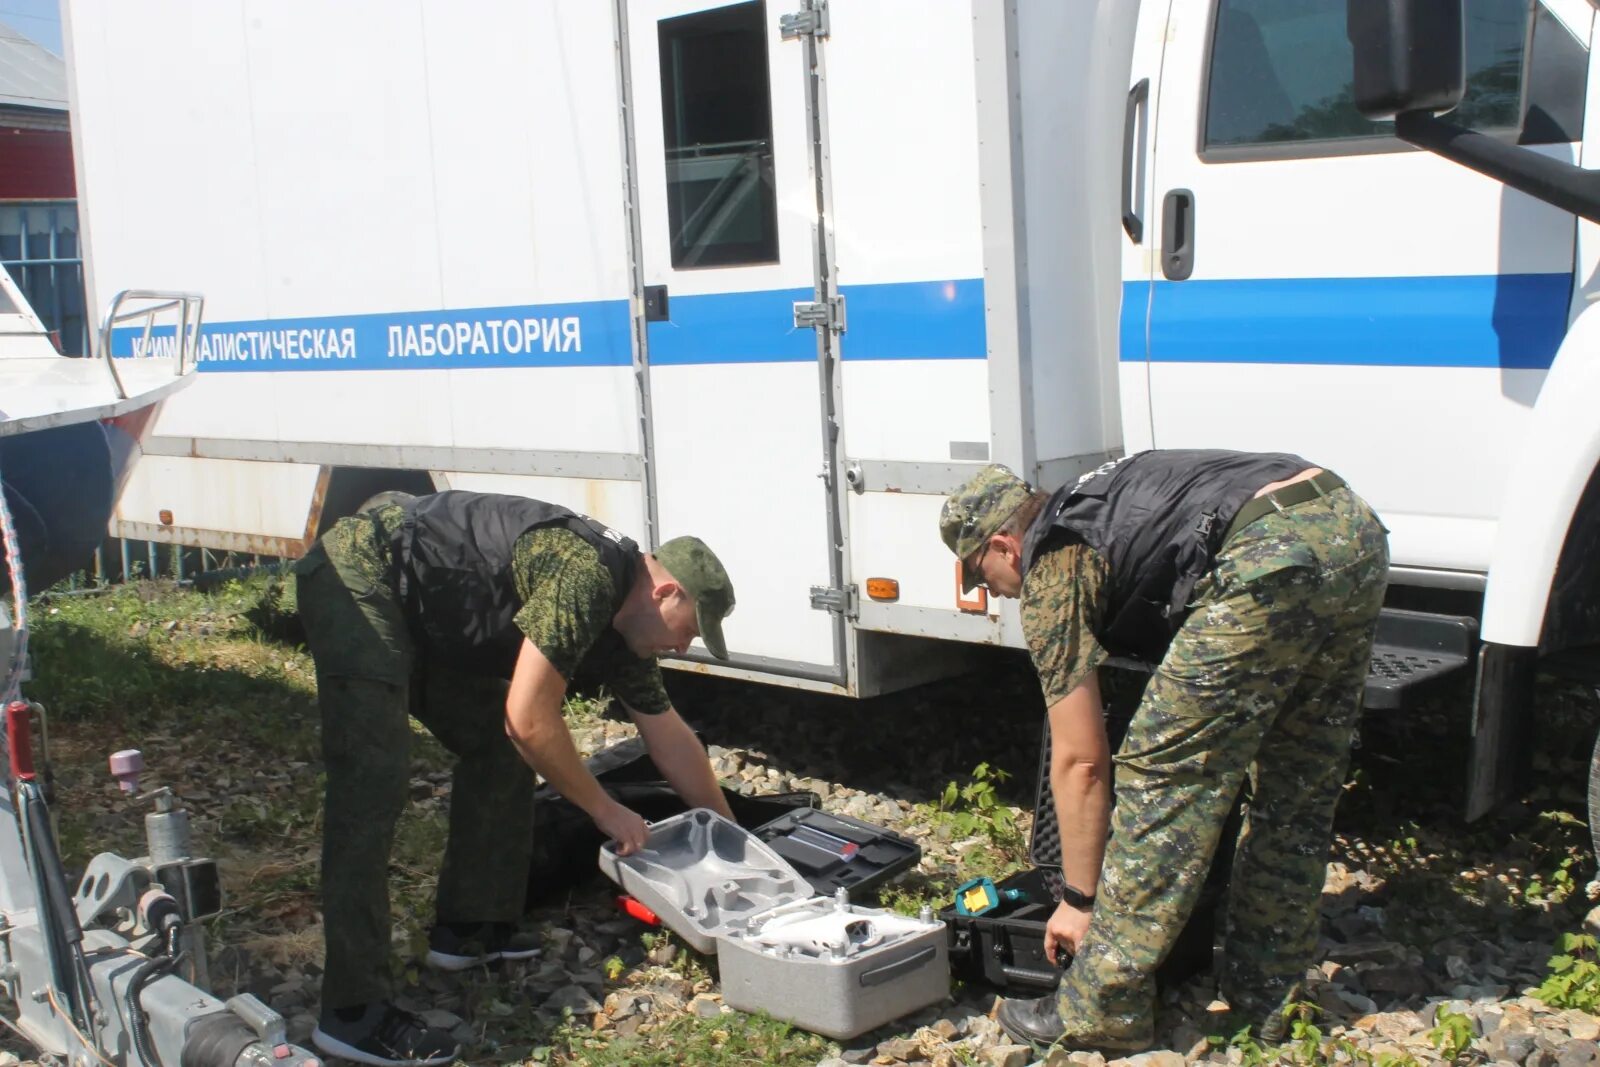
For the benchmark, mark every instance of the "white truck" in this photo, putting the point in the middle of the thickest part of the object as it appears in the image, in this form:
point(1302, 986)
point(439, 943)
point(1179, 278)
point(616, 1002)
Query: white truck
point(783, 274)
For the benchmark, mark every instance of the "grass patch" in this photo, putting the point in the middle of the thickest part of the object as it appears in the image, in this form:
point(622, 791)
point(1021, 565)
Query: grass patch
point(718, 1042)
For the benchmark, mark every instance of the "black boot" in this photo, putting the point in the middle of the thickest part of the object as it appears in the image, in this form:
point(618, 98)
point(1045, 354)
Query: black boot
point(1034, 1022)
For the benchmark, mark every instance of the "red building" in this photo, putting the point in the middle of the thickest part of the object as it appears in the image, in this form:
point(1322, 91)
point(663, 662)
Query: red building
point(35, 137)
point(38, 192)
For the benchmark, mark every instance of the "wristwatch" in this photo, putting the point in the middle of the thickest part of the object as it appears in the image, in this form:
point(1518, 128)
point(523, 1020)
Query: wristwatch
point(1081, 901)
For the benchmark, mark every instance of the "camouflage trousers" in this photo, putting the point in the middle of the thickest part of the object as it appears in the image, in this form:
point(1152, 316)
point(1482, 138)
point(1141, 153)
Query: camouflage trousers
point(370, 681)
point(1264, 680)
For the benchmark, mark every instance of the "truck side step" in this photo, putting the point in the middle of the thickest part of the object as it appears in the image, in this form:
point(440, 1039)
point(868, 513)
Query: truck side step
point(1413, 651)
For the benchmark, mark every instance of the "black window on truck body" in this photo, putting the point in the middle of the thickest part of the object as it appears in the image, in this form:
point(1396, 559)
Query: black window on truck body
point(716, 116)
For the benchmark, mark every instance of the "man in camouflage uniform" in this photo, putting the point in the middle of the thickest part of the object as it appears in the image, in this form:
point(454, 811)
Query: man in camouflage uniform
point(1254, 584)
point(426, 609)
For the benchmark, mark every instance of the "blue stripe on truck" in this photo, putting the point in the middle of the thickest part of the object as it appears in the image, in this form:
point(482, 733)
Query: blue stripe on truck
point(1512, 321)
point(904, 320)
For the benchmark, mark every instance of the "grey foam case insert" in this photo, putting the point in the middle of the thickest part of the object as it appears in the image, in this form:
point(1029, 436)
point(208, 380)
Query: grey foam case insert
point(704, 876)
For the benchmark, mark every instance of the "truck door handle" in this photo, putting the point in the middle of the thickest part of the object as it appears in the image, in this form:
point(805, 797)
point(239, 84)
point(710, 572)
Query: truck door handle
point(1177, 235)
point(656, 308)
point(1130, 124)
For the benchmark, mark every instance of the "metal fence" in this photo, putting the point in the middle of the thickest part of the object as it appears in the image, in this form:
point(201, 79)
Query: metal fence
point(39, 246)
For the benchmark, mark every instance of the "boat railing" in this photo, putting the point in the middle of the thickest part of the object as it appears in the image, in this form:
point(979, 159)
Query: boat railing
point(171, 325)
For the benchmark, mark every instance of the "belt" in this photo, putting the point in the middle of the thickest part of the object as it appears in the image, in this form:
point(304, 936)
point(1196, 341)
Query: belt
point(1290, 495)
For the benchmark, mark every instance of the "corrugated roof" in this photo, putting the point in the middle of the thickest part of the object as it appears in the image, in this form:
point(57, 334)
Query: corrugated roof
point(29, 75)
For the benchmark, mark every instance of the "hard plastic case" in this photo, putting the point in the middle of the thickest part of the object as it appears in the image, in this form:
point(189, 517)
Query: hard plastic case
point(819, 962)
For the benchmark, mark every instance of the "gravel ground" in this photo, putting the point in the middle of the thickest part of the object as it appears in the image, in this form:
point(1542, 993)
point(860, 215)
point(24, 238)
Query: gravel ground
point(1419, 910)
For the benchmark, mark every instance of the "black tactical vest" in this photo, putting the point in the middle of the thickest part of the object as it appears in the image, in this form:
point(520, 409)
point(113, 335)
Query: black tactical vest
point(1157, 519)
point(453, 561)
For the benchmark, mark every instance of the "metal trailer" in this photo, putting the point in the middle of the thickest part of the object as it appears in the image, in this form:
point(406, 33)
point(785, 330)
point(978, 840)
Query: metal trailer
point(784, 274)
point(111, 969)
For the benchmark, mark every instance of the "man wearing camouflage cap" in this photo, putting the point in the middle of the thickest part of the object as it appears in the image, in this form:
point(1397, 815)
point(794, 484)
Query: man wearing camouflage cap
point(1253, 582)
point(428, 608)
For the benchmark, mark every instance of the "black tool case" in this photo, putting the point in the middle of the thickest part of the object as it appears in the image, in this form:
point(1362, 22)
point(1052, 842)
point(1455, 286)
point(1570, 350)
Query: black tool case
point(803, 836)
point(565, 840)
point(1005, 948)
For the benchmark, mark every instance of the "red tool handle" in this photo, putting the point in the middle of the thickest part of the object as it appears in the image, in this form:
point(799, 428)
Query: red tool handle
point(19, 739)
point(631, 906)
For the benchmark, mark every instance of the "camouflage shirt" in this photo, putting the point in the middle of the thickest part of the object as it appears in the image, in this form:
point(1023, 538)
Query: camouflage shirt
point(567, 604)
point(1062, 604)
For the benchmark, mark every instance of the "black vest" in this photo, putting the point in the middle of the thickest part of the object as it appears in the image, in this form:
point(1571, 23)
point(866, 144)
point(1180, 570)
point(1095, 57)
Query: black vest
point(453, 562)
point(1157, 519)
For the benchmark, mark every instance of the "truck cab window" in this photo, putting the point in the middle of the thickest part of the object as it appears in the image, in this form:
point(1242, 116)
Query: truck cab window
point(1280, 73)
point(716, 111)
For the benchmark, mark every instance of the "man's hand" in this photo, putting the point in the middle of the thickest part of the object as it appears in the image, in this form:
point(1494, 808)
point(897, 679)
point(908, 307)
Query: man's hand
point(1065, 930)
point(624, 826)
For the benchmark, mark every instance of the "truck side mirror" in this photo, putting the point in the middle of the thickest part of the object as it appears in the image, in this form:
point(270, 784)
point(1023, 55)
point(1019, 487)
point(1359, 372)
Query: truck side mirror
point(1410, 55)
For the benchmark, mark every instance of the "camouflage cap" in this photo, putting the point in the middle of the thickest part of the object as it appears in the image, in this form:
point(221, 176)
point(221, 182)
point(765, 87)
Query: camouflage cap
point(696, 568)
point(974, 512)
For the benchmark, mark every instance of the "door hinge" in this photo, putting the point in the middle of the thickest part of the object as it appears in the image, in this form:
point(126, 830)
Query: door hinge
point(811, 21)
point(827, 313)
point(841, 601)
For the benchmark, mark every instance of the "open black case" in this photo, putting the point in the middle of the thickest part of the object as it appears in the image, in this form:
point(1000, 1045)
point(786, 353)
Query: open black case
point(1005, 947)
point(829, 851)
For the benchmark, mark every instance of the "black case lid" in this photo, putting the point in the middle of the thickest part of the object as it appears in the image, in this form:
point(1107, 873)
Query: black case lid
point(835, 851)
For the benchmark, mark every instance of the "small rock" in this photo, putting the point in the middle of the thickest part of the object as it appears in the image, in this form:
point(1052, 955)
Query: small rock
point(572, 998)
point(1400, 981)
point(984, 1030)
point(1508, 1044)
point(1578, 1054)
point(1357, 1003)
point(1086, 1059)
point(1581, 1025)
point(899, 1049)
point(1456, 967)
point(706, 1005)
point(1399, 1025)
point(859, 1055)
point(558, 940)
point(1591, 922)
point(1005, 1056)
point(1154, 1059)
point(625, 1004)
point(441, 1020)
point(834, 1061)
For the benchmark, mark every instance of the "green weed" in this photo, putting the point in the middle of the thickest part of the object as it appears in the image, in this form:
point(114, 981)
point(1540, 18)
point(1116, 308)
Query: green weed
point(1574, 978)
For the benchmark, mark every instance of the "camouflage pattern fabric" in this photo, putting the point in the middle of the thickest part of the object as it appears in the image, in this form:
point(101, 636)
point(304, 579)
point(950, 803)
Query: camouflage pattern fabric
point(972, 514)
point(371, 680)
point(567, 607)
point(1264, 679)
point(1062, 600)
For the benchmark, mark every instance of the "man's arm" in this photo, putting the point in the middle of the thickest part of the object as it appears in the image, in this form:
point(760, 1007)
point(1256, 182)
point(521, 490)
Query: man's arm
point(536, 727)
point(681, 758)
point(1080, 778)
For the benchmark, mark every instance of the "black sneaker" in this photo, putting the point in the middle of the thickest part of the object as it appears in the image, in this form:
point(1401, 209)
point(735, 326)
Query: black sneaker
point(458, 946)
point(381, 1034)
